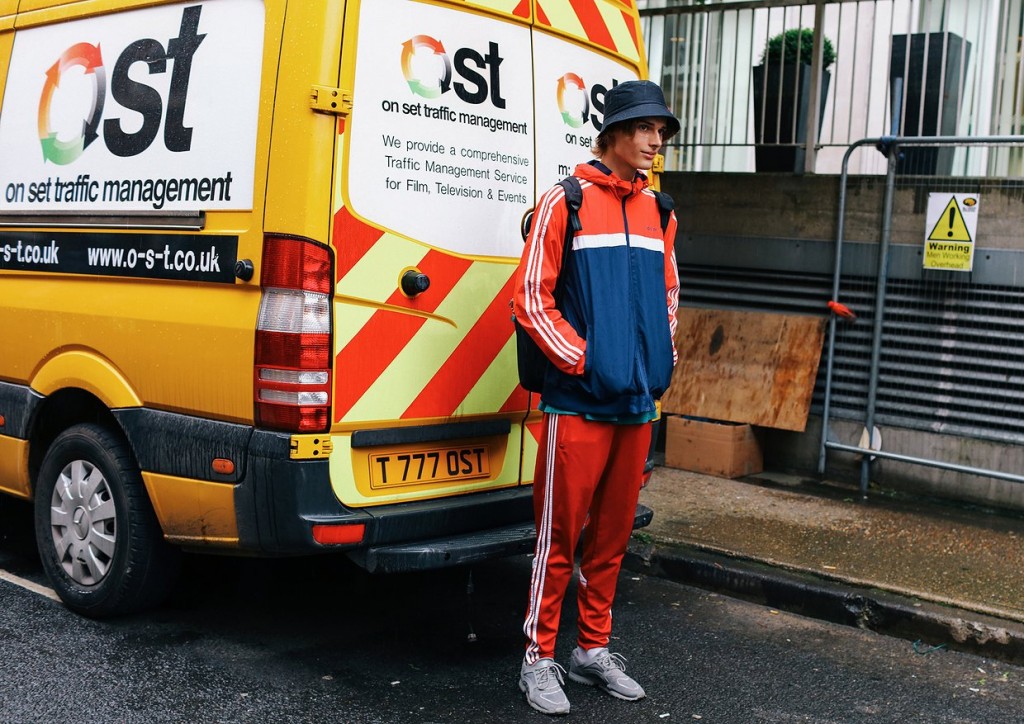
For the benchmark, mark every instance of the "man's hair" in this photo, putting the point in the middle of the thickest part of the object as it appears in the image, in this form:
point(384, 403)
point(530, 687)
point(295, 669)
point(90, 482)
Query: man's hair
point(607, 135)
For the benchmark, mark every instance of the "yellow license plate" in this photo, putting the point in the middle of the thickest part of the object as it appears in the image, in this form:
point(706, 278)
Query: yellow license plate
point(435, 465)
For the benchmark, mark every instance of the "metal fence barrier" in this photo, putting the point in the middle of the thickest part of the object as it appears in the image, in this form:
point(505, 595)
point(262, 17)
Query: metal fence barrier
point(945, 308)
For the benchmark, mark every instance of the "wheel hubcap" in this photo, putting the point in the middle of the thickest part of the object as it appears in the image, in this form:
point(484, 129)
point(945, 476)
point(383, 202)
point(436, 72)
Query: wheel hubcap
point(82, 522)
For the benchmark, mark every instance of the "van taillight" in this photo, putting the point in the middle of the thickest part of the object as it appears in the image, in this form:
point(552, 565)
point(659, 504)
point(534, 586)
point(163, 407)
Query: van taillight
point(292, 376)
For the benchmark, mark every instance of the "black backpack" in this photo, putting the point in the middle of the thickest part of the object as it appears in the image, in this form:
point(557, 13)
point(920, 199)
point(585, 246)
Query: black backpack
point(533, 363)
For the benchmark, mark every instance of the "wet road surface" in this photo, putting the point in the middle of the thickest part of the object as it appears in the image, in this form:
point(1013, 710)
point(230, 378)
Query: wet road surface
point(321, 641)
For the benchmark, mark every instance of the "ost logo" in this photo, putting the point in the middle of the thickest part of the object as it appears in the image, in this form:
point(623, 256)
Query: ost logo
point(575, 101)
point(64, 152)
point(574, 118)
point(131, 94)
point(473, 85)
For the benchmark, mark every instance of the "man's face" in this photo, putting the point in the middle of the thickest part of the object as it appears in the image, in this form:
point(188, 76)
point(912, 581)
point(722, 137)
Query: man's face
point(634, 152)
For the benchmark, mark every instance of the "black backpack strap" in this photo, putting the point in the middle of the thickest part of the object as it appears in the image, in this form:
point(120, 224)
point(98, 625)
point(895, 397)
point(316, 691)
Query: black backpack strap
point(665, 206)
point(573, 200)
point(531, 361)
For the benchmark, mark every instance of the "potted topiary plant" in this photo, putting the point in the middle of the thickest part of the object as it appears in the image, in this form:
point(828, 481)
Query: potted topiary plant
point(933, 77)
point(781, 96)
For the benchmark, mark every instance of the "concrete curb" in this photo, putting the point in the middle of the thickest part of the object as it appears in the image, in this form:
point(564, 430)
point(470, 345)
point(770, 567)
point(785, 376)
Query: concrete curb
point(931, 624)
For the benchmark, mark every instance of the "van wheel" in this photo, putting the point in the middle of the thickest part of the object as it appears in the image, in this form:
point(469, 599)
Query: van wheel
point(98, 537)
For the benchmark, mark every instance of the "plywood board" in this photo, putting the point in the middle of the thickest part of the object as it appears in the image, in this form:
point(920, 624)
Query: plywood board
point(743, 366)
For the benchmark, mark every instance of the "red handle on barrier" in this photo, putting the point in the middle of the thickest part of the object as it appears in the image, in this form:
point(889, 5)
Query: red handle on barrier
point(841, 310)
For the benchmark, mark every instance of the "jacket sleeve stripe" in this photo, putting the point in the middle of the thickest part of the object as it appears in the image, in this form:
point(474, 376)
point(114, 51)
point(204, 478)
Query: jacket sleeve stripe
point(672, 285)
point(535, 267)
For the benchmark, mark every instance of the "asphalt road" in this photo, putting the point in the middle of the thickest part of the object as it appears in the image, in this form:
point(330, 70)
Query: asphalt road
point(321, 641)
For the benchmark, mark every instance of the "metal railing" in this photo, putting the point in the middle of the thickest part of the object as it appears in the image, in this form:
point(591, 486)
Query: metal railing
point(947, 341)
point(929, 67)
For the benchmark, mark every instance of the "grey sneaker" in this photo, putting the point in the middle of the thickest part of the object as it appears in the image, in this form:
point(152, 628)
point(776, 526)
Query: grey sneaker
point(607, 672)
point(542, 684)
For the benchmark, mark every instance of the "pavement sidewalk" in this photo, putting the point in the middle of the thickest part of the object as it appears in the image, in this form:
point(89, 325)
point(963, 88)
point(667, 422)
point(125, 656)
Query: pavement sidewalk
point(935, 573)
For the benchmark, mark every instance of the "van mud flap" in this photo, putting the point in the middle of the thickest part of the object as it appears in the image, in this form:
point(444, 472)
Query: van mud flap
point(462, 549)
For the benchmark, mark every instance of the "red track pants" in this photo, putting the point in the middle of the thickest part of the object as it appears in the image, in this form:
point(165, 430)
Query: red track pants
point(582, 467)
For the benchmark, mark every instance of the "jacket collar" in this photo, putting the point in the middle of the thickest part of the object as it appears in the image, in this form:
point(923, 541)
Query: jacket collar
point(600, 175)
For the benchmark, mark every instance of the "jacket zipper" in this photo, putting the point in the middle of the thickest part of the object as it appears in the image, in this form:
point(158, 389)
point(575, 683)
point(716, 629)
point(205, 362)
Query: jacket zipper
point(632, 301)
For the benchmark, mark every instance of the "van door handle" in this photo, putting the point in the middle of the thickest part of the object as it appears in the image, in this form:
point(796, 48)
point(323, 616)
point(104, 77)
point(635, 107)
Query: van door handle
point(414, 282)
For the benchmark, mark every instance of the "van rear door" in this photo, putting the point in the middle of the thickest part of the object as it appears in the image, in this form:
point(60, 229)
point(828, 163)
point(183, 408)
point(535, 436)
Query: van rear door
point(434, 171)
point(462, 113)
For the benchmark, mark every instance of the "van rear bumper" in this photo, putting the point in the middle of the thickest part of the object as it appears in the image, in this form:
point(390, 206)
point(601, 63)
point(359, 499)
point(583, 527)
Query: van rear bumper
point(296, 495)
point(461, 549)
point(278, 500)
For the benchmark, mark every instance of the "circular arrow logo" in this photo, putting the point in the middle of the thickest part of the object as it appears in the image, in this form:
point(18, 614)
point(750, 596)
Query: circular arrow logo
point(426, 90)
point(574, 118)
point(64, 152)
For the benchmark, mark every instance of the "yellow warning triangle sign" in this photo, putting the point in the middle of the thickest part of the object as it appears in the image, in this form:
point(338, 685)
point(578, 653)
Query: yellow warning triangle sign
point(951, 225)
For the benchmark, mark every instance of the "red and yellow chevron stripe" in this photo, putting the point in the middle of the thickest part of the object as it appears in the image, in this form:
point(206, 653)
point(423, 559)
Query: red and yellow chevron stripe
point(610, 24)
point(447, 352)
point(531, 446)
point(515, 8)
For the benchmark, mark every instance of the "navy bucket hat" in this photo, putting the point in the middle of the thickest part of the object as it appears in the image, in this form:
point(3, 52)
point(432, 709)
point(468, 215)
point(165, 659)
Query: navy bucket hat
point(638, 99)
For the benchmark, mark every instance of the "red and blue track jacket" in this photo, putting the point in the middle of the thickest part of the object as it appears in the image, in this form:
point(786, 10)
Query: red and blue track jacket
point(611, 340)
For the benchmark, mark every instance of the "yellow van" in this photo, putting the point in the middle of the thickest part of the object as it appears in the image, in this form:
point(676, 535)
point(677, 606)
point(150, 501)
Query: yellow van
point(255, 264)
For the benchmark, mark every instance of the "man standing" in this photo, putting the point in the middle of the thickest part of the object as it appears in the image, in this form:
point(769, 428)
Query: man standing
point(610, 344)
